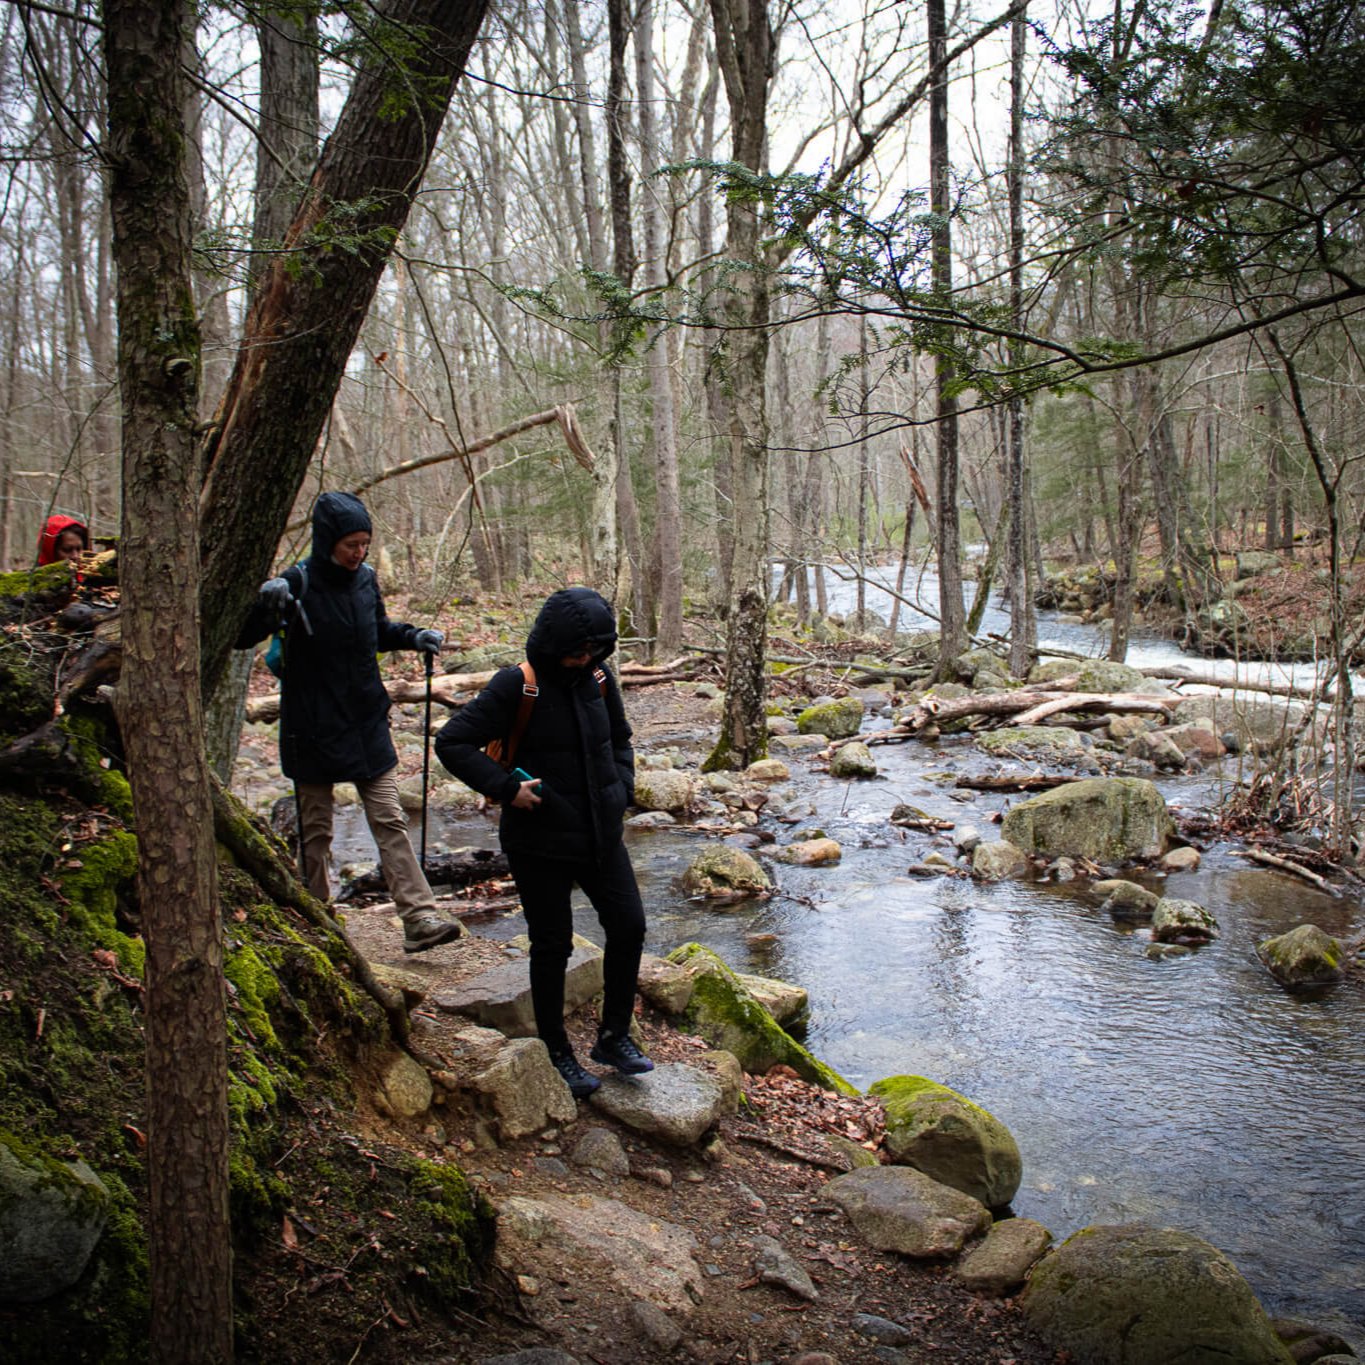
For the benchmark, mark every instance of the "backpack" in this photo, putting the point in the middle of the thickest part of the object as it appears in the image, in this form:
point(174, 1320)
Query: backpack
point(274, 654)
point(503, 752)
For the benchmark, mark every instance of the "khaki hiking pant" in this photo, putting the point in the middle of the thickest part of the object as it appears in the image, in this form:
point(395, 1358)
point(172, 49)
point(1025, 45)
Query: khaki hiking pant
point(388, 824)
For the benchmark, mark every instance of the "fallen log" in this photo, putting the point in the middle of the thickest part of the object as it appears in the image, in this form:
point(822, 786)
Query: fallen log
point(1027, 782)
point(1180, 675)
point(449, 689)
point(1028, 707)
point(443, 869)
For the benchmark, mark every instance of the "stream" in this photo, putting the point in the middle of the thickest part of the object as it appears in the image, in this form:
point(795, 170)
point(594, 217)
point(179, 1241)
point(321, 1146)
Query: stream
point(1192, 1092)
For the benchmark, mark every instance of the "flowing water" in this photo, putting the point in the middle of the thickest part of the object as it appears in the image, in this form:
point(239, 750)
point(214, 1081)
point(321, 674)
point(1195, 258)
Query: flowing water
point(1191, 1092)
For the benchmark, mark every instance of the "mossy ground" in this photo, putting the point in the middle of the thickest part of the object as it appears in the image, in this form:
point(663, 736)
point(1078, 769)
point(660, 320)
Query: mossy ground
point(372, 1231)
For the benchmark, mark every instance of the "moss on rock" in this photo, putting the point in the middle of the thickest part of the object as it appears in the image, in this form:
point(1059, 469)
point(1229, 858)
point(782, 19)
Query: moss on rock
point(724, 1013)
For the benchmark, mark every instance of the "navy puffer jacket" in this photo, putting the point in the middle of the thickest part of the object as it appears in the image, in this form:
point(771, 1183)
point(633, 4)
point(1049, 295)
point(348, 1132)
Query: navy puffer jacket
point(334, 711)
point(577, 740)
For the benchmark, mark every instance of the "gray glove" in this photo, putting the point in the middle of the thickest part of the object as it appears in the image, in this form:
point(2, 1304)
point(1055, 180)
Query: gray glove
point(429, 641)
point(276, 593)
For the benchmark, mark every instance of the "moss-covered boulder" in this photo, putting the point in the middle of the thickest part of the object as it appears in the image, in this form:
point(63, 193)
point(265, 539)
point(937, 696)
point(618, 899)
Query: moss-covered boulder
point(1182, 921)
point(723, 873)
point(1052, 742)
point(729, 1017)
point(1305, 956)
point(839, 718)
point(1102, 675)
point(51, 1215)
point(1137, 1295)
point(945, 1135)
point(1107, 819)
point(1052, 669)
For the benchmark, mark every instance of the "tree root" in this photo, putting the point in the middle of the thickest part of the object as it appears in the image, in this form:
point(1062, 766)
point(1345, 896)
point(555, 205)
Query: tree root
point(257, 854)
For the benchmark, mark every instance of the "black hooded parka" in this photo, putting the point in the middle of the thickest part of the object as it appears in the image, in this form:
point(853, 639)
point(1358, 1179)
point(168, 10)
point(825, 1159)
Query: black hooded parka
point(334, 711)
point(576, 741)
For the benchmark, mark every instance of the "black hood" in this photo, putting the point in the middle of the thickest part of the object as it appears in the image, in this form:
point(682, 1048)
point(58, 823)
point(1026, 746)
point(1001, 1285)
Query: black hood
point(336, 515)
point(570, 618)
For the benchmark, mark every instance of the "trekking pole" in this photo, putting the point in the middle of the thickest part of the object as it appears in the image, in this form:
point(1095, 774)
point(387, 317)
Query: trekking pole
point(426, 759)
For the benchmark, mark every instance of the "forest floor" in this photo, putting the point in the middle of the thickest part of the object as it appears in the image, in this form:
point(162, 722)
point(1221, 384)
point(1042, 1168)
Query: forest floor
point(736, 1189)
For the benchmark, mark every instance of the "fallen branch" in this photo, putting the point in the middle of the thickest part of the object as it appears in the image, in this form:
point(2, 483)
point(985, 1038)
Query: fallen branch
point(823, 1161)
point(1284, 865)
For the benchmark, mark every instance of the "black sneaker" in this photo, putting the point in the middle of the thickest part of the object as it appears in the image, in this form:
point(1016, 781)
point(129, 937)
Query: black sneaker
point(430, 931)
point(581, 1083)
point(621, 1053)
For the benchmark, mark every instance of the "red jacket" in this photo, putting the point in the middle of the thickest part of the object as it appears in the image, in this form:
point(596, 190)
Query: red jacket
point(52, 531)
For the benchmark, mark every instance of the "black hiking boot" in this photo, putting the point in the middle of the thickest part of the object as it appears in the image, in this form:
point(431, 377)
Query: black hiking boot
point(581, 1083)
point(620, 1052)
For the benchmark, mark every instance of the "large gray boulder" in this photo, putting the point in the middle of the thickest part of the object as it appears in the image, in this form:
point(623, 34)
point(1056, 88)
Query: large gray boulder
point(501, 996)
point(945, 1135)
point(523, 1089)
point(673, 1103)
point(1137, 1295)
point(51, 1216)
point(853, 761)
point(664, 789)
point(1262, 726)
point(897, 1208)
point(1305, 956)
point(647, 1257)
point(1107, 819)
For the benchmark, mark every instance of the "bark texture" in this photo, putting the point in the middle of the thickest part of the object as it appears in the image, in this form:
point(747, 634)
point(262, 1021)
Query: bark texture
point(159, 698)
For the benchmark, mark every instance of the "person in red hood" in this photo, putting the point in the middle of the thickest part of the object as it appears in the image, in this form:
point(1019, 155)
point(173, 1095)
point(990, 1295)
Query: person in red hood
point(63, 537)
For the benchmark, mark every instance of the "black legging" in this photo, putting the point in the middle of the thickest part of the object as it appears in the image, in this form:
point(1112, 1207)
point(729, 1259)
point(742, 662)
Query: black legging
point(544, 885)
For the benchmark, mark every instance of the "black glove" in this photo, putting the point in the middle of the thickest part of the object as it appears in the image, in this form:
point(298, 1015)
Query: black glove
point(276, 593)
point(428, 641)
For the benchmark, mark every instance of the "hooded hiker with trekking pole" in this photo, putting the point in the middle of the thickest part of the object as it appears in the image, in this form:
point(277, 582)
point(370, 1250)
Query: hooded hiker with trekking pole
point(559, 718)
point(334, 711)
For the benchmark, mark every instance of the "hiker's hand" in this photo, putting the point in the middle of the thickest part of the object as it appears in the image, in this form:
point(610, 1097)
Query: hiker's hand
point(275, 593)
point(428, 641)
point(526, 798)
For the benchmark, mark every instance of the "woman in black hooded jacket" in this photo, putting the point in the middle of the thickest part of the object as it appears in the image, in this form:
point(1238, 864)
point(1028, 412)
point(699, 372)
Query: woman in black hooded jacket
point(564, 825)
point(334, 710)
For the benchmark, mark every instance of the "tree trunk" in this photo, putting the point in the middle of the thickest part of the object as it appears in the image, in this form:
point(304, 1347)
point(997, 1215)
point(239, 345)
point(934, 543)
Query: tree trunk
point(308, 312)
point(1023, 617)
point(159, 691)
point(667, 543)
point(952, 621)
point(744, 45)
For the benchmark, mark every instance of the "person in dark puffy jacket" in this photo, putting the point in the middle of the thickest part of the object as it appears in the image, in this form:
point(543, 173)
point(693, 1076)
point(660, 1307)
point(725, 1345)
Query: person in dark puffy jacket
point(564, 825)
point(334, 711)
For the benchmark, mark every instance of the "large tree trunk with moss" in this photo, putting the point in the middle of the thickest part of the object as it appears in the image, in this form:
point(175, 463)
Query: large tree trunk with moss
point(744, 45)
point(314, 296)
point(159, 697)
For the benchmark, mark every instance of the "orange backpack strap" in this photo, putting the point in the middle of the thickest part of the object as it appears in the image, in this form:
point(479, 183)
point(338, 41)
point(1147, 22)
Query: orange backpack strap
point(505, 751)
